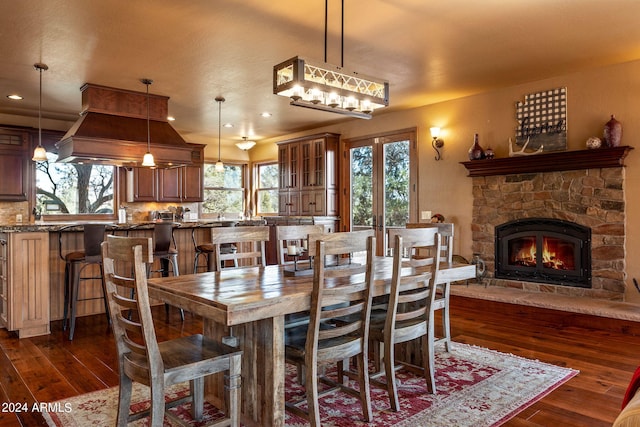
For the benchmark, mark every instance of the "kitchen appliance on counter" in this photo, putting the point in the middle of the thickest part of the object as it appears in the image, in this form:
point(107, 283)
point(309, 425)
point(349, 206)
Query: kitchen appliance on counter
point(161, 216)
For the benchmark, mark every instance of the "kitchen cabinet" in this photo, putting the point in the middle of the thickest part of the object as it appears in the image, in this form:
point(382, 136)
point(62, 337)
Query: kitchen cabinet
point(24, 283)
point(14, 164)
point(142, 185)
point(308, 175)
point(182, 184)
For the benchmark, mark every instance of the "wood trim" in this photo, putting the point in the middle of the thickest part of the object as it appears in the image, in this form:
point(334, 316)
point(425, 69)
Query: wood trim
point(550, 162)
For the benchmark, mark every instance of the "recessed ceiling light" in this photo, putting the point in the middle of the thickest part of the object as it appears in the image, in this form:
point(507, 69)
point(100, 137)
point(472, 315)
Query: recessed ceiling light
point(171, 118)
point(14, 97)
point(228, 125)
point(266, 114)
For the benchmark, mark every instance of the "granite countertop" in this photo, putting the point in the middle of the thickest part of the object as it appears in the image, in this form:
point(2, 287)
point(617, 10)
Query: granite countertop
point(77, 225)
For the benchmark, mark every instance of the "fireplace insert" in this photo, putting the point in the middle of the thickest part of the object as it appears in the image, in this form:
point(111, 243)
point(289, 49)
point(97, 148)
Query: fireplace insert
point(544, 250)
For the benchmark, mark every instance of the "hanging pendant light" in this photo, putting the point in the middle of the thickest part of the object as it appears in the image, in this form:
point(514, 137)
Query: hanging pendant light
point(245, 144)
point(40, 154)
point(325, 87)
point(148, 160)
point(219, 165)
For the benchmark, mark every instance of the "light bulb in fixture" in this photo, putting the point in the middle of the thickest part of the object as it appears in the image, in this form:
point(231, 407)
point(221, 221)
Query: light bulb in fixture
point(219, 166)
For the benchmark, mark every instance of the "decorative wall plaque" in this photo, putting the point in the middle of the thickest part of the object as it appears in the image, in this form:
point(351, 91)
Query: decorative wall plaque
point(542, 120)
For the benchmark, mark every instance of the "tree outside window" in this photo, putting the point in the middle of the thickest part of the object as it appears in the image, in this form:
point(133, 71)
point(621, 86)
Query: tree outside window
point(73, 189)
point(267, 188)
point(224, 191)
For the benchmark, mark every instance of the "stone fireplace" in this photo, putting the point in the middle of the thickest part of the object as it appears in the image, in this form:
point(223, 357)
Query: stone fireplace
point(585, 188)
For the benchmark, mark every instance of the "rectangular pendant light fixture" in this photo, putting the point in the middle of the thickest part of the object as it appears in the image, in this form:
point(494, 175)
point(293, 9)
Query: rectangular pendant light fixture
point(329, 88)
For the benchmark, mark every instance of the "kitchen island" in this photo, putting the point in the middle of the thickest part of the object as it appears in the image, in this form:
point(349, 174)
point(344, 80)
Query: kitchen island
point(32, 270)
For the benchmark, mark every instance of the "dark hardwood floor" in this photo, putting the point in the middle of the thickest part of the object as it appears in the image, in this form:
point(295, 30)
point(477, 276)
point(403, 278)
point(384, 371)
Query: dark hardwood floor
point(606, 352)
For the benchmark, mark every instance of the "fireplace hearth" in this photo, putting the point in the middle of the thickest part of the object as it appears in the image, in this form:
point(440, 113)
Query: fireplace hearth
point(544, 250)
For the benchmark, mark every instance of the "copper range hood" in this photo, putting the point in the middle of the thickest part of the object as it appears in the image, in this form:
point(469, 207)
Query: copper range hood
point(112, 130)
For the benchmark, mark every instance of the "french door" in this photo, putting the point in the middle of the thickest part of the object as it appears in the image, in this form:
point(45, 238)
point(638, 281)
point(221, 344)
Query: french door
point(382, 183)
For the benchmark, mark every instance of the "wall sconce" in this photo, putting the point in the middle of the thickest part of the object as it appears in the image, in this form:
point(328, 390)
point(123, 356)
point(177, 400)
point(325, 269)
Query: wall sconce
point(436, 143)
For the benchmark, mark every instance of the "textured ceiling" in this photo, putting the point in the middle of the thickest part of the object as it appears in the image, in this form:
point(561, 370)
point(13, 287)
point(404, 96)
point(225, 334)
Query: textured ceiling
point(195, 50)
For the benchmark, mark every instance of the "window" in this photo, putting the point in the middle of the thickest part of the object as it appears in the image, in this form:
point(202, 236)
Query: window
point(267, 188)
point(74, 189)
point(224, 191)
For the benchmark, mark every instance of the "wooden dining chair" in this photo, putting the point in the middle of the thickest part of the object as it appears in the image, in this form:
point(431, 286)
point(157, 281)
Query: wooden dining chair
point(338, 328)
point(252, 237)
point(297, 235)
point(159, 364)
point(442, 284)
point(409, 315)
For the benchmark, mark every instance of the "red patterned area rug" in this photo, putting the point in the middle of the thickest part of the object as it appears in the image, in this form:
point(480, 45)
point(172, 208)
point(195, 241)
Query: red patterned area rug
point(476, 387)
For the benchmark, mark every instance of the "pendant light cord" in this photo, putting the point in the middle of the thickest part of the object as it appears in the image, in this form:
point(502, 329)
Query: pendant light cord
point(326, 21)
point(40, 112)
point(147, 83)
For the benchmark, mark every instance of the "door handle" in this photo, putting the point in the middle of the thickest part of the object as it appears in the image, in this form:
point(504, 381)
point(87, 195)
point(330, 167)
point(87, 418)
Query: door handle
point(380, 223)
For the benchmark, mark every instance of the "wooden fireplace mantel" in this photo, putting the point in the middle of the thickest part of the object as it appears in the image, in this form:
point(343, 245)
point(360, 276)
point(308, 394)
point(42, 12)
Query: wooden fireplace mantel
point(550, 162)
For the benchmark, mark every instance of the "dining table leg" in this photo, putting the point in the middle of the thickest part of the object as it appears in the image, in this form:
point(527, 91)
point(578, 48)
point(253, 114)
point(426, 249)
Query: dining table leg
point(263, 369)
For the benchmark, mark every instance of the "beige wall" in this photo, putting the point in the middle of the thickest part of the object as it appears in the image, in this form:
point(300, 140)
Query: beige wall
point(443, 186)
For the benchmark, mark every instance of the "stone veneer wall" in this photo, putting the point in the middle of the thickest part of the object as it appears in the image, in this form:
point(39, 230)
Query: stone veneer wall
point(590, 197)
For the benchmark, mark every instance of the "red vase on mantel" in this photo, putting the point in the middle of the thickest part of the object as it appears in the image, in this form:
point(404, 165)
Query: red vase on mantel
point(612, 132)
point(476, 152)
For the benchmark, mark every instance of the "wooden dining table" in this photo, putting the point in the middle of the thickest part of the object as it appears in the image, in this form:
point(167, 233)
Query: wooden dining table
point(250, 304)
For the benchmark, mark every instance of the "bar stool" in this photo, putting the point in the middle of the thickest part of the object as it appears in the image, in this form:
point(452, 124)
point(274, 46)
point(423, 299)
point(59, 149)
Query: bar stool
point(164, 250)
point(207, 249)
point(75, 263)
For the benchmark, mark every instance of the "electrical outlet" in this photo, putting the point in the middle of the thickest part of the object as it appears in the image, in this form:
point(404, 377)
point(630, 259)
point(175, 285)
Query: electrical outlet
point(425, 215)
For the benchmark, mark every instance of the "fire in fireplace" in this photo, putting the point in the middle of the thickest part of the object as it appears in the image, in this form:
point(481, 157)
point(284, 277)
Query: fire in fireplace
point(544, 250)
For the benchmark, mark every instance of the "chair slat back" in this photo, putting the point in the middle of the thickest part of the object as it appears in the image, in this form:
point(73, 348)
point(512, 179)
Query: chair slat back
point(328, 237)
point(414, 253)
point(138, 351)
point(255, 236)
point(446, 230)
point(294, 233)
point(340, 300)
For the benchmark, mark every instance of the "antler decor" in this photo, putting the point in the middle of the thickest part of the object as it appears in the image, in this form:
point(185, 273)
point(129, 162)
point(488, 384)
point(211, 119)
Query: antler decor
point(522, 152)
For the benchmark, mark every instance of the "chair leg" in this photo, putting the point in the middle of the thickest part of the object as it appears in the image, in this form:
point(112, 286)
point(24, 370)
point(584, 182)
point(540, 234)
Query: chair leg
point(176, 272)
point(446, 324)
point(195, 262)
point(157, 405)
point(197, 398)
point(390, 373)
point(311, 386)
point(104, 296)
point(67, 297)
point(363, 382)
point(428, 362)
point(75, 274)
point(124, 401)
